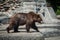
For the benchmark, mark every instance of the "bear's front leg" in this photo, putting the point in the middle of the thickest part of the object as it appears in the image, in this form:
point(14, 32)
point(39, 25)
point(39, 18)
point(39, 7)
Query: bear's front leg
point(28, 28)
point(34, 26)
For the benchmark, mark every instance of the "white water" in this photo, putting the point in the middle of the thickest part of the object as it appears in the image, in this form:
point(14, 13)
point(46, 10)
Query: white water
point(50, 16)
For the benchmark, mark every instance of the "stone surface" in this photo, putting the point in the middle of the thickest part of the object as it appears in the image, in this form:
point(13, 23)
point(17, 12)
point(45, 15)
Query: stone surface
point(21, 36)
point(46, 31)
point(53, 38)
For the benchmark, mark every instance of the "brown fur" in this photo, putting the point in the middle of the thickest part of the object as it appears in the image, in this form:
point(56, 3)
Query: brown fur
point(24, 18)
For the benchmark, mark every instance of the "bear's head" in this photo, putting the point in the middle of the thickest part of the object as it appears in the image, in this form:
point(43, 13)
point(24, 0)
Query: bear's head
point(36, 17)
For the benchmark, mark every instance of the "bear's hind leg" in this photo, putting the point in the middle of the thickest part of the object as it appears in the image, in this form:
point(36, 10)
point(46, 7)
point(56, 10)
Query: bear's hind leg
point(9, 28)
point(16, 28)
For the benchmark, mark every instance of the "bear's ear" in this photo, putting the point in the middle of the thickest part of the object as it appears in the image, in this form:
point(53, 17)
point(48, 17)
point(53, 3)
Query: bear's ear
point(32, 12)
point(37, 14)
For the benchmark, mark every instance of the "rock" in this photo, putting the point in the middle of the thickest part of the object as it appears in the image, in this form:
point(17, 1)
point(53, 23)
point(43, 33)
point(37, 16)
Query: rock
point(21, 36)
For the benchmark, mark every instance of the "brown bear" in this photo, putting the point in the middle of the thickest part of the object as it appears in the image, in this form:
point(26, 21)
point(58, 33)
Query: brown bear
point(27, 19)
